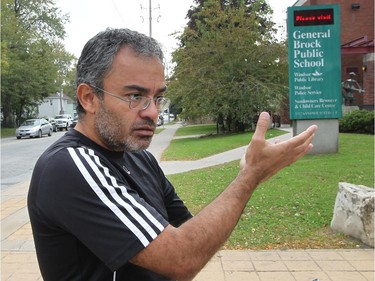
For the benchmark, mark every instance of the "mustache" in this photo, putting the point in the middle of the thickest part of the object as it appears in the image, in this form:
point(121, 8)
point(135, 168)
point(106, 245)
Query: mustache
point(147, 122)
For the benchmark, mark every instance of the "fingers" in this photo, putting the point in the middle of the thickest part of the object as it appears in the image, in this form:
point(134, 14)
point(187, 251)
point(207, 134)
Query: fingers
point(311, 132)
point(262, 125)
point(302, 143)
point(305, 137)
point(263, 159)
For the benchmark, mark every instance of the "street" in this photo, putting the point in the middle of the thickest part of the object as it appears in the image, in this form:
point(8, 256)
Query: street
point(18, 157)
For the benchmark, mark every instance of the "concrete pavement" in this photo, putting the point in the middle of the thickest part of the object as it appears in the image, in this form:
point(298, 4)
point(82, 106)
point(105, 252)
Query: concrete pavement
point(162, 140)
point(19, 262)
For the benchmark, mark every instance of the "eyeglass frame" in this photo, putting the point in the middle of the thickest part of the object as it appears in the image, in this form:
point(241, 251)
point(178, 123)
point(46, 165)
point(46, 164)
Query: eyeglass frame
point(146, 104)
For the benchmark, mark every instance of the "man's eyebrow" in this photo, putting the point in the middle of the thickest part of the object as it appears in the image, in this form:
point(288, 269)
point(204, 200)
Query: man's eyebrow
point(163, 89)
point(137, 88)
point(143, 89)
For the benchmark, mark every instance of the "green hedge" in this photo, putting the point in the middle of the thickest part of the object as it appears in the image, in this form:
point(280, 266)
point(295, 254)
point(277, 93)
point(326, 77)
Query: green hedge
point(357, 121)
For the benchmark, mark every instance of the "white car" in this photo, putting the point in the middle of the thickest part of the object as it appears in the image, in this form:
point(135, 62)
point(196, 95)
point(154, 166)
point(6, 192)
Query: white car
point(168, 118)
point(63, 121)
point(34, 128)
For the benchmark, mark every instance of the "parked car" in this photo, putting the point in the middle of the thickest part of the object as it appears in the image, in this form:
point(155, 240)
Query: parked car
point(74, 122)
point(63, 121)
point(34, 128)
point(160, 120)
point(52, 121)
point(168, 117)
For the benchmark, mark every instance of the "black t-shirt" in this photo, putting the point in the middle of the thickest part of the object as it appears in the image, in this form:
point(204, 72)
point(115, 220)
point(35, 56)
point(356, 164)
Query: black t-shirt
point(91, 210)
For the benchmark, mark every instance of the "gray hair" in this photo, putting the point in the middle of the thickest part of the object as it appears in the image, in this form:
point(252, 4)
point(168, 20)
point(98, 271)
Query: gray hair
point(99, 52)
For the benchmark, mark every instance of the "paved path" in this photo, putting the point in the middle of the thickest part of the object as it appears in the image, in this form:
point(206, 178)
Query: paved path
point(19, 263)
point(162, 140)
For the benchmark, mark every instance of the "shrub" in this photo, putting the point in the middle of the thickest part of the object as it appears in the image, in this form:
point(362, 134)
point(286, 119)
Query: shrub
point(357, 121)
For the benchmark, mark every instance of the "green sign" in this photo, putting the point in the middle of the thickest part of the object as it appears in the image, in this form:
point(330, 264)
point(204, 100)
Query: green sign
point(314, 62)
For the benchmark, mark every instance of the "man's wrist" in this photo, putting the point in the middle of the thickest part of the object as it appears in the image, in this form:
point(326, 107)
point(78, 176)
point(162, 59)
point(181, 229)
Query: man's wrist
point(247, 180)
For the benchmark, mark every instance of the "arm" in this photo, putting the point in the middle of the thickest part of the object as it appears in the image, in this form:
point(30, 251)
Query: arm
point(182, 252)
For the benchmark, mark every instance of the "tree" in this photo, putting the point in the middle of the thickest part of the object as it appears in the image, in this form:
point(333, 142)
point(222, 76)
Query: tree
point(259, 9)
point(66, 70)
point(30, 32)
point(229, 66)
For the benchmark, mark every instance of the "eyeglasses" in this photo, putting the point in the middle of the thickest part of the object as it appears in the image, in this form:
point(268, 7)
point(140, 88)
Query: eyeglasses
point(140, 102)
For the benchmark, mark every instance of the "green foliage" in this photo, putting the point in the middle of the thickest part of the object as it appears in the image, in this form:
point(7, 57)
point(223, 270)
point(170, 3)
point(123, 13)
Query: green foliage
point(357, 121)
point(31, 53)
point(258, 8)
point(294, 208)
point(229, 68)
point(66, 70)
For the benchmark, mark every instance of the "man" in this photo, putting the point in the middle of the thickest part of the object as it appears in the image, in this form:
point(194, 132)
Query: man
point(99, 204)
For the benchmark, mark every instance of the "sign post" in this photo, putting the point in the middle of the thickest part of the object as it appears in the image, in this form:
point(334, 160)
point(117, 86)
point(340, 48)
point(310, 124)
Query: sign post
point(315, 72)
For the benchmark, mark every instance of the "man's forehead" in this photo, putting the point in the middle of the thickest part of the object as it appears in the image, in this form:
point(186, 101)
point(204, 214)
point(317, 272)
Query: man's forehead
point(129, 69)
point(146, 82)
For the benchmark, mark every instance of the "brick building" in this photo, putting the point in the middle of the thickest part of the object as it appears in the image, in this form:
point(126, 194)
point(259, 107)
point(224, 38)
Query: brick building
point(357, 45)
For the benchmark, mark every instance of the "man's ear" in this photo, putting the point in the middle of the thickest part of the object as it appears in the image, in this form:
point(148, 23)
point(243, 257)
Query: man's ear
point(87, 98)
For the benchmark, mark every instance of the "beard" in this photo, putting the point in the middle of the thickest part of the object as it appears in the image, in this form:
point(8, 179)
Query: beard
point(110, 128)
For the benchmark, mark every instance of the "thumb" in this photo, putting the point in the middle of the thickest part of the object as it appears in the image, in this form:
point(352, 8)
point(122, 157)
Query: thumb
point(262, 125)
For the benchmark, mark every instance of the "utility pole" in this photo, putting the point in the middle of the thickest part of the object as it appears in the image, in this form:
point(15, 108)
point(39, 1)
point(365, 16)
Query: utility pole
point(150, 15)
point(61, 102)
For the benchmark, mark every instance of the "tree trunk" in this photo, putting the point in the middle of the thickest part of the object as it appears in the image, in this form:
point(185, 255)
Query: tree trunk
point(9, 121)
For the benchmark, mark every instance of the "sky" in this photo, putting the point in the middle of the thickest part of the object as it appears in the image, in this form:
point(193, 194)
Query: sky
point(88, 17)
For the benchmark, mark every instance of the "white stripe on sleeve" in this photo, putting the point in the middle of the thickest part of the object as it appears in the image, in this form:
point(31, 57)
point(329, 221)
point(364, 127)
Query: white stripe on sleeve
point(129, 224)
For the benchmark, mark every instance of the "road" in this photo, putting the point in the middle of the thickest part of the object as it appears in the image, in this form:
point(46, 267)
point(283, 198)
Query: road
point(18, 157)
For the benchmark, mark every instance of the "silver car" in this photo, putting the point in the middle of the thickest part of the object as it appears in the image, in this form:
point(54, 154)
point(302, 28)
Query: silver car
point(34, 128)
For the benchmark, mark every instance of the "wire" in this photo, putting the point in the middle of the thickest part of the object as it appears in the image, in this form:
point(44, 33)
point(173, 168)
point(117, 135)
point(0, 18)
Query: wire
point(118, 12)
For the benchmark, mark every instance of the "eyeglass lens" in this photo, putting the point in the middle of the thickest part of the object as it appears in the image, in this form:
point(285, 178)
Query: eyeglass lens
point(144, 102)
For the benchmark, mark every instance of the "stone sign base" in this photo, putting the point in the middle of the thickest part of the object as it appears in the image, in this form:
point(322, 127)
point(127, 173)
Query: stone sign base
point(326, 138)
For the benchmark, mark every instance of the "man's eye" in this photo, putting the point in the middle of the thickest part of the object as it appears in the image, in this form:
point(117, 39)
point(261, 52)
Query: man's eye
point(134, 96)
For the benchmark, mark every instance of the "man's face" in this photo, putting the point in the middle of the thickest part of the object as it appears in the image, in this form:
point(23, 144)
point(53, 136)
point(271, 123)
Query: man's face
point(119, 127)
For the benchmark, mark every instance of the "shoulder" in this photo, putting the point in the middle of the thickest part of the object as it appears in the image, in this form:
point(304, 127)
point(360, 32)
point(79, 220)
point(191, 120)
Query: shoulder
point(143, 157)
point(68, 157)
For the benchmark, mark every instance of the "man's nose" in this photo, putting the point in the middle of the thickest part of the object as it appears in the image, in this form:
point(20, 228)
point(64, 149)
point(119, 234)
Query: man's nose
point(151, 111)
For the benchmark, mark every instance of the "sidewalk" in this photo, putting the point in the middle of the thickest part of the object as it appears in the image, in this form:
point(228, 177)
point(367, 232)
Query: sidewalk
point(18, 260)
point(162, 140)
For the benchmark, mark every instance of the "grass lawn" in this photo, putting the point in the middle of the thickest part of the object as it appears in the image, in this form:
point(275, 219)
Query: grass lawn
point(159, 130)
point(197, 148)
point(8, 132)
point(196, 130)
point(294, 208)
